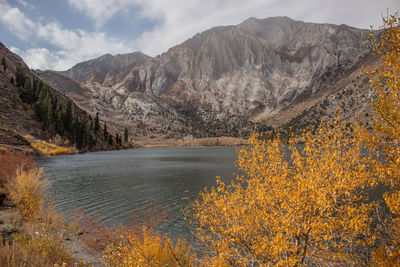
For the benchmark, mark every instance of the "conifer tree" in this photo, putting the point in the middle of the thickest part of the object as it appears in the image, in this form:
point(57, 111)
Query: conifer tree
point(60, 122)
point(20, 77)
point(105, 133)
point(49, 110)
point(96, 123)
point(68, 116)
point(4, 64)
point(126, 135)
point(27, 95)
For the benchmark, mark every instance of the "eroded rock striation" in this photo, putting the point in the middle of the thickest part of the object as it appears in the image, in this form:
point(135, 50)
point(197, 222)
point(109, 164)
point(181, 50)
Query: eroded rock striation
point(221, 81)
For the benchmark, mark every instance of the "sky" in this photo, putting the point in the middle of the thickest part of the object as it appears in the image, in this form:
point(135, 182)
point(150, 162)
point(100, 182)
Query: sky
point(57, 34)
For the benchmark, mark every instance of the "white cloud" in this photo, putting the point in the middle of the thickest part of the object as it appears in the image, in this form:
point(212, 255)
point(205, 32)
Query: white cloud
point(35, 57)
point(25, 4)
point(22, 2)
point(72, 46)
point(182, 19)
point(15, 21)
point(101, 11)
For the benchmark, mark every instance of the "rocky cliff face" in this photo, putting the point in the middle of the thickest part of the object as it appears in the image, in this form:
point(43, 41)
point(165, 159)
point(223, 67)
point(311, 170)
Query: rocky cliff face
point(221, 81)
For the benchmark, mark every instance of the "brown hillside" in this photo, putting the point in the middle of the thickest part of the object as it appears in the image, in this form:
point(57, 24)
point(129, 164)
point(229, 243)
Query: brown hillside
point(29, 106)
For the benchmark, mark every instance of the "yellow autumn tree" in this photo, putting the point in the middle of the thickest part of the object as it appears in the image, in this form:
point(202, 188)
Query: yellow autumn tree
point(385, 80)
point(296, 204)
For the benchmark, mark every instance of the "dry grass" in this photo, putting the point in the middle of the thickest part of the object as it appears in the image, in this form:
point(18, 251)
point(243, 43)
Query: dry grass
point(213, 141)
point(40, 240)
point(145, 247)
point(14, 255)
point(37, 243)
point(48, 246)
point(48, 148)
point(38, 230)
point(37, 249)
point(208, 141)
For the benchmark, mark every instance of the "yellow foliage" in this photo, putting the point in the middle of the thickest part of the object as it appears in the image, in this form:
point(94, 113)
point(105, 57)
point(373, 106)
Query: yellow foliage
point(145, 247)
point(39, 239)
point(27, 192)
point(48, 148)
point(385, 80)
point(295, 204)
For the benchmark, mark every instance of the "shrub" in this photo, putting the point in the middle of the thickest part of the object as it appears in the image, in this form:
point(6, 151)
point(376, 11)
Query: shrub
point(11, 163)
point(48, 148)
point(145, 247)
point(27, 192)
point(38, 241)
point(138, 245)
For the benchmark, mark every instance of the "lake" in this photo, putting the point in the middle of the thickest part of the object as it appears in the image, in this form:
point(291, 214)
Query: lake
point(111, 185)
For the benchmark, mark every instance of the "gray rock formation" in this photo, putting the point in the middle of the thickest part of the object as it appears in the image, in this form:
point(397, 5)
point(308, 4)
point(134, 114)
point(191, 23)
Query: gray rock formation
point(222, 80)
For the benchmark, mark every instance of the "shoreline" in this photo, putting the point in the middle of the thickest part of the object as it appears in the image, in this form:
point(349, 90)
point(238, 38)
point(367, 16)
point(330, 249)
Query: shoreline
point(206, 141)
point(143, 143)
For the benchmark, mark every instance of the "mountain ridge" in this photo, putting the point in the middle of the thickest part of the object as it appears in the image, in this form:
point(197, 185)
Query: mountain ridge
point(228, 78)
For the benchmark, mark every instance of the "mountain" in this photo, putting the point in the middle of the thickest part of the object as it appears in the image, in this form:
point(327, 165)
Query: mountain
point(351, 93)
point(97, 70)
point(29, 106)
point(224, 81)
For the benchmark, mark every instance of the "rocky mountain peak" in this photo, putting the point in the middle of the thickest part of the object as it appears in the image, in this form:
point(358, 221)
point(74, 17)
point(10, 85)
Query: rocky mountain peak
point(96, 70)
point(230, 74)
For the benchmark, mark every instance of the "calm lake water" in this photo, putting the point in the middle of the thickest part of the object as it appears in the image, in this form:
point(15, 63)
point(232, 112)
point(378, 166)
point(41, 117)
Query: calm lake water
point(111, 185)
